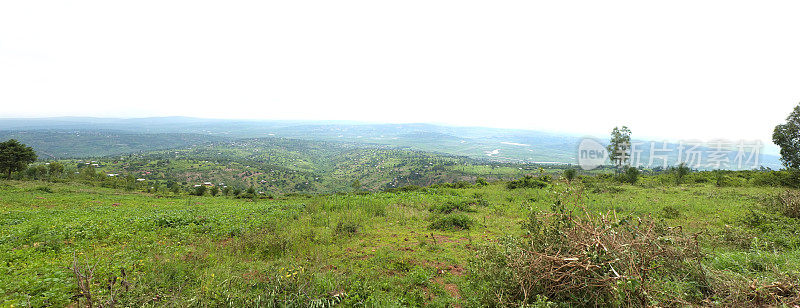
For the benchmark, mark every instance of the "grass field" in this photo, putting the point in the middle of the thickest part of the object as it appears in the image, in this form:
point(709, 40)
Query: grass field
point(67, 244)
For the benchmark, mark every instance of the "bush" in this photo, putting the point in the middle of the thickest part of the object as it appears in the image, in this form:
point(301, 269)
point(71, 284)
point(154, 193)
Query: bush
point(44, 189)
point(407, 188)
point(720, 180)
point(569, 174)
point(670, 212)
point(199, 190)
point(789, 203)
point(773, 227)
point(250, 193)
point(527, 182)
point(347, 227)
point(680, 172)
point(631, 175)
point(481, 182)
point(452, 222)
point(451, 206)
point(461, 185)
point(589, 260)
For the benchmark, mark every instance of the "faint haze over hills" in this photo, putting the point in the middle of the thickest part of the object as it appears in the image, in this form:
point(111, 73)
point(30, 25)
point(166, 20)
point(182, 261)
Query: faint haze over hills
point(666, 70)
point(82, 136)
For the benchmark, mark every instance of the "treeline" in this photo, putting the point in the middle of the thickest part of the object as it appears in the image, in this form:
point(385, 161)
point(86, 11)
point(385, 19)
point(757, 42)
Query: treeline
point(59, 173)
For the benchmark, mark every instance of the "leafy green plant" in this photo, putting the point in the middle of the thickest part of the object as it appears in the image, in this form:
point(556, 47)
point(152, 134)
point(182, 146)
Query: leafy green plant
point(527, 181)
point(789, 203)
point(199, 190)
point(44, 189)
point(452, 222)
point(570, 174)
point(630, 176)
point(680, 172)
point(670, 212)
point(451, 206)
point(347, 227)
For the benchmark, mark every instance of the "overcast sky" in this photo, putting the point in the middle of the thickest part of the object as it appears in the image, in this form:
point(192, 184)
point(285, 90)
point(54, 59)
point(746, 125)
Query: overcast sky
point(668, 69)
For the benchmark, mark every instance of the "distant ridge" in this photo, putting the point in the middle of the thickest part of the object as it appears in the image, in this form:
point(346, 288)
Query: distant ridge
point(497, 144)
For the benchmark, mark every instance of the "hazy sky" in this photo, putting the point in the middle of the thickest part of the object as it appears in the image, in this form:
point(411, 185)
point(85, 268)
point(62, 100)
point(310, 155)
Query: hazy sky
point(668, 69)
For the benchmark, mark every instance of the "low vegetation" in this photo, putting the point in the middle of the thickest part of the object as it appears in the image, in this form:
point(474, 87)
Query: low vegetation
point(593, 241)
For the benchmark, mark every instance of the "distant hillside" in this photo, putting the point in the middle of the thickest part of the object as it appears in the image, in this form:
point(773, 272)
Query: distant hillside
point(294, 165)
point(501, 145)
point(51, 143)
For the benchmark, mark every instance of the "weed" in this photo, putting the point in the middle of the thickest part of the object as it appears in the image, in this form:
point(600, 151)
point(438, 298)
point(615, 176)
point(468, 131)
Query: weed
point(347, 227)
point(452, 222)
point(670, 212)
point(43, 189)
point(451, 206)
point(788, 203)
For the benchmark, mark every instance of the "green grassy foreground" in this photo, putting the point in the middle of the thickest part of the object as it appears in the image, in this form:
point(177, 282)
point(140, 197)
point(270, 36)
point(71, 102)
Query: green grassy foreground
point(67, 244)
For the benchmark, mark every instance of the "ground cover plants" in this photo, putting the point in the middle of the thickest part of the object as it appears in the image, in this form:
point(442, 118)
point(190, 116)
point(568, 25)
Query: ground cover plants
point(585, 242)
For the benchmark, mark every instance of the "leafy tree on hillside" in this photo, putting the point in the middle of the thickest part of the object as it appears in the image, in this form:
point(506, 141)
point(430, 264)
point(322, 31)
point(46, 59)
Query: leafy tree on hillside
point(15, 156)
point(787, 136)
point(680, 172)
point(619, 147)
point(55, 169)
point(200, 190)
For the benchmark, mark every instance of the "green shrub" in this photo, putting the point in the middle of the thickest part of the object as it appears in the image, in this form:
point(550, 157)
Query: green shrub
point(347, 227)
point(43, 189)
point(670, 212)
point(527, 181)
point(631, 175)
point(452, 222)
point(790, 178)
point(407, 188)
point(461, 185)
point(773, 227)
point(199, 190)
point(451, 206)
point(569, 174)
point(680, 172)
point(788, 203)
point(250, 193)
point(770, 178)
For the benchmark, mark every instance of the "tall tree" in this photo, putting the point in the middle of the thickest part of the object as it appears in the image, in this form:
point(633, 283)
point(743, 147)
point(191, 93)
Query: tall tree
point(619, 147)
point(787, 136)
point(15, 156)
